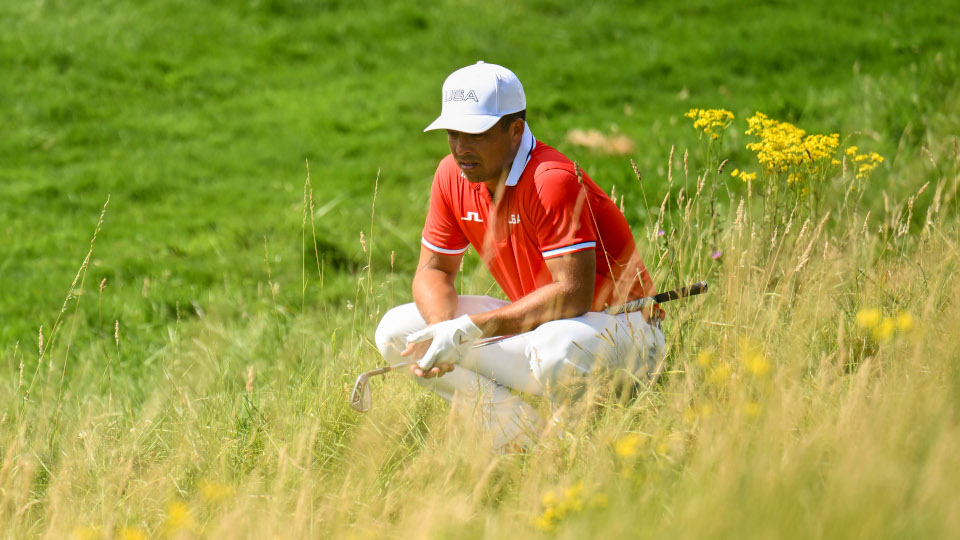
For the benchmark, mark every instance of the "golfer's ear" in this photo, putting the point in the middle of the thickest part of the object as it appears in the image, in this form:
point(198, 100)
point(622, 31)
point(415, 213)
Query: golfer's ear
point(516, 130)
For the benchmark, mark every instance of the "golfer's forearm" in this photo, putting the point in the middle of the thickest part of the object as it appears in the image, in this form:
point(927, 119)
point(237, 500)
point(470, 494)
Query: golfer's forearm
point(548, 303)
point(435, 295)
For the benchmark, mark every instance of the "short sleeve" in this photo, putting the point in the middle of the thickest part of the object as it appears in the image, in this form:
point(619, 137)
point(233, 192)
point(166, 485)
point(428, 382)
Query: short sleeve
point(441, 232)
point(564, 222)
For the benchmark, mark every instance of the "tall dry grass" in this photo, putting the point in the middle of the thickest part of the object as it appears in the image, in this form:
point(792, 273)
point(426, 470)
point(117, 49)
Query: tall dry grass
point(790, 407)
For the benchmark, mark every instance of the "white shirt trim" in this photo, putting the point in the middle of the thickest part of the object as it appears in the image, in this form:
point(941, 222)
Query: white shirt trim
point(568, 249)
point(432, 247)
point(527, 143)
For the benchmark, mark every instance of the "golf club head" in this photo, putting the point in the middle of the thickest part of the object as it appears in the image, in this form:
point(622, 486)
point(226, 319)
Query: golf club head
point(360, 399)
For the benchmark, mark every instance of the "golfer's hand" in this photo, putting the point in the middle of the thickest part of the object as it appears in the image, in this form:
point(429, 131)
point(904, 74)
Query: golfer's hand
point(417, 350)
point(451, 340)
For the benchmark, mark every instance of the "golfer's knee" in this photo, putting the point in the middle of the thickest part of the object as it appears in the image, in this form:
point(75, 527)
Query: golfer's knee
point(392, 332)
point(561, 366)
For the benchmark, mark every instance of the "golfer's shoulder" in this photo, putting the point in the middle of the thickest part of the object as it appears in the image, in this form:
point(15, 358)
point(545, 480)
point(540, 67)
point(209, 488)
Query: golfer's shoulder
point(551, 169)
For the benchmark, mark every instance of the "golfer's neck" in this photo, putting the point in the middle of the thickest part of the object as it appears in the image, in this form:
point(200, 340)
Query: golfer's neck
point(496, 185)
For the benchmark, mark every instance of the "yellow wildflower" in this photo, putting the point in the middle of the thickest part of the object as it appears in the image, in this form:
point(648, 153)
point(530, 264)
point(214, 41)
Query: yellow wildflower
point(757, 365)
point(629, 445)
point(748, 177)
point(573, 492)
point(868, 318)
point(905, 322)
point(719, 374)
point(558, 507)
point(751, 409)
point(864, 170)
point(704, 357)
point(709, 120)
point(735, 173)
point(866, 163)
point(883, 332)
point(753, 358)
point(545, 522)
point(179, 518)
point(783, 145)
point(129, 533)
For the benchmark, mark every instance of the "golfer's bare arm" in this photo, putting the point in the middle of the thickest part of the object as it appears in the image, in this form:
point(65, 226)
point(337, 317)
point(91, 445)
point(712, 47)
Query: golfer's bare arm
point(570, 294)
point(434, 289)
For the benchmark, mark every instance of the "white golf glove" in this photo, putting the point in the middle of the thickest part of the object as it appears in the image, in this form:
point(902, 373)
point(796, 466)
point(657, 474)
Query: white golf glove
point(451, 340)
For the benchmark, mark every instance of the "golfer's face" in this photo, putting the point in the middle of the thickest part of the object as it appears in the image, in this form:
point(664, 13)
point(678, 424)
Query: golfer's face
point(482, 156)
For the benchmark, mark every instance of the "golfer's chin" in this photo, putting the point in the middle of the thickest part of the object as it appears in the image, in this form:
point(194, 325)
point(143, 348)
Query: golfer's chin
point(474, 175)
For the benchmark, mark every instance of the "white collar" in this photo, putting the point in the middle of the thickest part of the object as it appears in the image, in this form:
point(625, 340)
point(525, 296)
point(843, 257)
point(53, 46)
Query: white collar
point(527, 143)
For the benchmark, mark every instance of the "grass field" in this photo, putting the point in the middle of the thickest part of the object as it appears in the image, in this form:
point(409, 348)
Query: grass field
point(189, 380)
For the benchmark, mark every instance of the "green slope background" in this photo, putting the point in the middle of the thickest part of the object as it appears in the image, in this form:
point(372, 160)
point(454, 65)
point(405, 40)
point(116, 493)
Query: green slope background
point(197, 119)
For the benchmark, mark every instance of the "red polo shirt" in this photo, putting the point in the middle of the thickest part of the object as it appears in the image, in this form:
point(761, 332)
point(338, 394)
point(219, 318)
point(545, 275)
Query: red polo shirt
point(548, 213)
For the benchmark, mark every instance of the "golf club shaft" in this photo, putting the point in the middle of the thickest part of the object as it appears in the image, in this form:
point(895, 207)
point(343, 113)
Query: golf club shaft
point(388, 369)
point(641, 303)
point(682, 292)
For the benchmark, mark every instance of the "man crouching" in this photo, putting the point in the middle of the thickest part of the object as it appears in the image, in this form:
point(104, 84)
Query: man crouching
point(556, 244)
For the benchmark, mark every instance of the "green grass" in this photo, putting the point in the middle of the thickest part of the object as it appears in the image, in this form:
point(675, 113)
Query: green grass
point(197, 119)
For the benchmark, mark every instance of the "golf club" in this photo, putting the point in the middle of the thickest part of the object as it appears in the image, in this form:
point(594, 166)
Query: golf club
point(360, 399)
point(647, 301)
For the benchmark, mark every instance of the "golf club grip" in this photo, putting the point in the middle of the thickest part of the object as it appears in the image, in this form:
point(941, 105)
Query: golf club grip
point(646, 301)
point(682, 292)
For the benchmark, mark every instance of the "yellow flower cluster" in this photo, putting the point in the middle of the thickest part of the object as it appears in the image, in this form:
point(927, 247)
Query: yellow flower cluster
point(883, 328)
point(865, 163)
point(751, 409)
point(783, 145)
point(751, 355)
point(629, 445)
point(559, 505)
point(754, 360)
point(179, 518)
point(718, 373)
point(744, 175)
point(711, 121)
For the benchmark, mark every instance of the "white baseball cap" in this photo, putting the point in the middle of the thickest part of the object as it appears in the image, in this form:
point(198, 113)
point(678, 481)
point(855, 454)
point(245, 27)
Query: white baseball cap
point(475, 97)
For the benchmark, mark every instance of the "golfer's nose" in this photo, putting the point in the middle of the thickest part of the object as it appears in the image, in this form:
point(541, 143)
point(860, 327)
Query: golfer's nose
point(459, 144)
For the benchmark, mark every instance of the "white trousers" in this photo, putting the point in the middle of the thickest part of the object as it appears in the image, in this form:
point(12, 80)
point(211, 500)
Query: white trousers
point(556, 361)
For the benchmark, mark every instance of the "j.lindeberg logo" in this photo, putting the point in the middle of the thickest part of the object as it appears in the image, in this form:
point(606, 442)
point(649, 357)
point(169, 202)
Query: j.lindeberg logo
point(472, 216)
point(460, 95)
